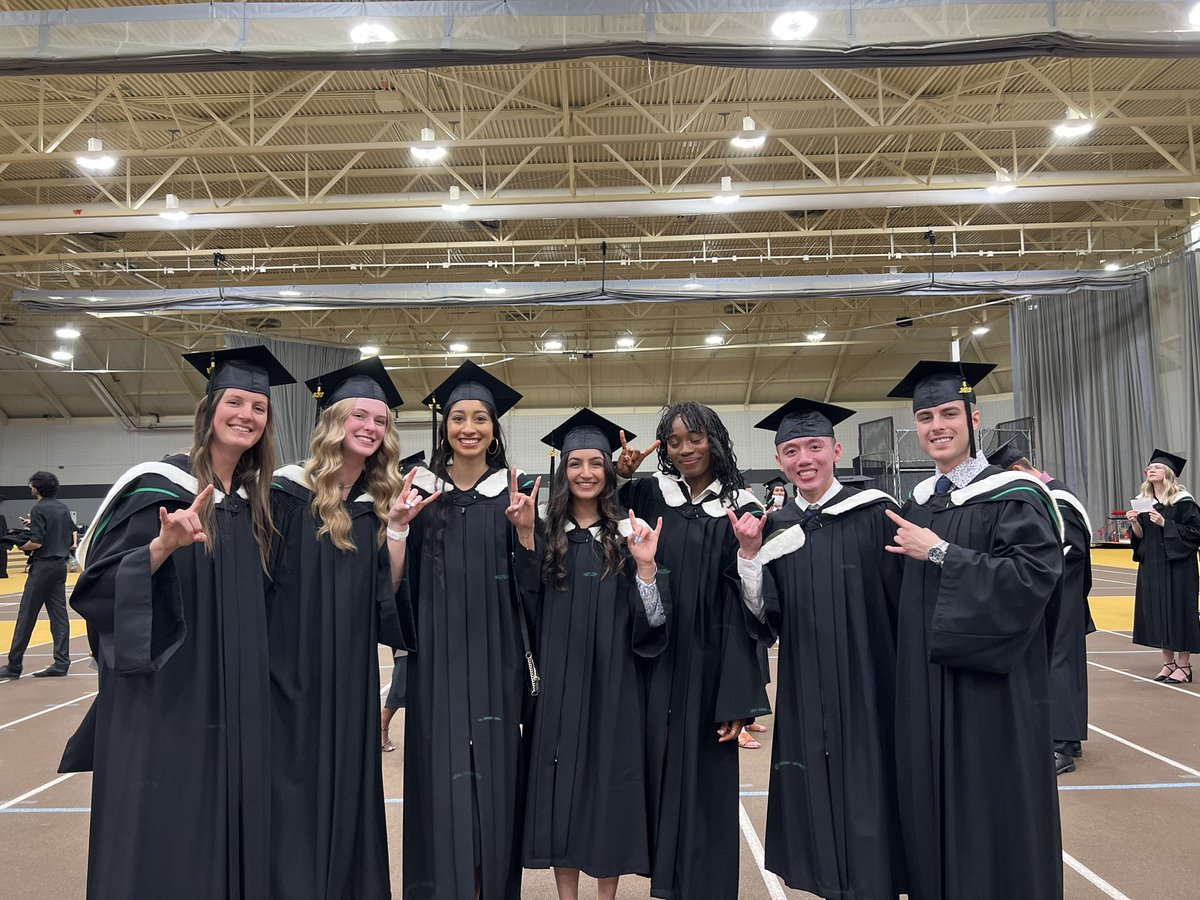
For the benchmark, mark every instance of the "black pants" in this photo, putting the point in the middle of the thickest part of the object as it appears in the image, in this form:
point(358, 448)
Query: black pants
point(46, 586)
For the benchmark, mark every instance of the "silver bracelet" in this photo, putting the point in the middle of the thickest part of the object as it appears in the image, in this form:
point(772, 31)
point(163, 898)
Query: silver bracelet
point(398, 535)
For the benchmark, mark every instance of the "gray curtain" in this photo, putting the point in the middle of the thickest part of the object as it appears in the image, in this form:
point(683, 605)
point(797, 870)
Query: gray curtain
point(1083, 365)
point(1175, 324)
point(293, 406)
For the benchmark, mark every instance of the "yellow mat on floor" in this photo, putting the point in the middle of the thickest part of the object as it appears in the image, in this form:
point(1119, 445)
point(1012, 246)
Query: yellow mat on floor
point(41, 632)
point(15, 582)
point(1118, 559)
point(1112, 613)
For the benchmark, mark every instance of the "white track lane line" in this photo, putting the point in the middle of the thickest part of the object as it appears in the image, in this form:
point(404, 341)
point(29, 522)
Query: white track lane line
point(37, 790)
point(1162, 684)
point(47, 710)
point(774, 888)
point(1093, 877)
point(1140, 749)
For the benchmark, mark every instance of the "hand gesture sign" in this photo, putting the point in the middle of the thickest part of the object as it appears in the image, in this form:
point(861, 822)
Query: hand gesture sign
point(182, 527)
point(748, 530)
point(630, 459)
point(408, 503)
point(911, 540)
point(522, 508)
point(643, 543)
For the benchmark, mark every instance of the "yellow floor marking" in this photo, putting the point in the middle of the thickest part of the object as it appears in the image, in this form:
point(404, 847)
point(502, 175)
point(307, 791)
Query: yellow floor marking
point(41, 632)
point(15, 582)
point(1118, 559)
point(1113, 613)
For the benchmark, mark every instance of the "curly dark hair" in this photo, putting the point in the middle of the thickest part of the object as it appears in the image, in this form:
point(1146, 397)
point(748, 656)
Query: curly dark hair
point(558, 511)
point(45, 483)
point(698, 417)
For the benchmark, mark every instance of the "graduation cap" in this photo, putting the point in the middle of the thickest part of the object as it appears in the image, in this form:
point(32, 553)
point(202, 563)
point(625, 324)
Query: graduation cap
point(412, 461)
point(1172, 461)
point(858, 481)
point(470, 382)
point(586, 430)
point(251, 369)
point(1007, 454)
point(931, 383)
point(801, 418)
point(366, 379)
point(774, 483)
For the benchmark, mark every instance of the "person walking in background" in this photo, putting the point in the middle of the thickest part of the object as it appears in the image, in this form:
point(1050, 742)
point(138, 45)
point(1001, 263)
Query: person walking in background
point(1165, 540)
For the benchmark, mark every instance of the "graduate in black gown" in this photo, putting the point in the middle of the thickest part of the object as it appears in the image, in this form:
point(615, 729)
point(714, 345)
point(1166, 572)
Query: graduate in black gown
point(600, 605)
point(823, 583)
point(173, 595)
point(468, 681)
point(1165, 541)
point(983, 556)
point(343, 520)
point(707, 683)
point(1071, 620)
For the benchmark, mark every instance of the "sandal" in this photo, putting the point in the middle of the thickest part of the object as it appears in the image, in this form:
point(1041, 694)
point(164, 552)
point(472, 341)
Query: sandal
point(755, 727)
point(1163, 676)
point(1186, 679)
point(388, 746)
point(748, 743)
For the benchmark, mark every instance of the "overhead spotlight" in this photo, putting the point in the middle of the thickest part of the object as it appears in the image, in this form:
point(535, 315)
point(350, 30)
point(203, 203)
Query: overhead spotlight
point(429, 150)
point(95, 159)
point(1112, 267)
point(794, 26)
point(56, 297)
point(67, 333)
point(815, 337)
point(458, 347)
point(553, 345)
point(495, 289)
point(62, 354)
point(1003, 184)
point(626, 341)
point(95, 299)
point(1076, 124)
point(372, 33)
point(368, 350)
point(726, 197)
point(455, 203)
point(694, 284)
point(289, 293)
point(750, 137)
point(172, 212)
point(980, 330)
point(714, 339)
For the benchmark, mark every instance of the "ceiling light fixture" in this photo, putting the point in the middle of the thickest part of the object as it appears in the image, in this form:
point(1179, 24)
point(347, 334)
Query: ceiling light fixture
point(428, 150)
point(694, 284)
point(1075, 125)
point(62, 354)
point(1194, 16)
point(815, 337)
point(714, 339)
point(794, 26)
point(750, 137)
point(980, 330)
point(726, 196)
point(289, 293)
point(495, 289)
point(172, 212)
point(95, 299)
point(95, 159)
point(626, 341)
point(372, 33)
point(553, 345)
point(67, 333)
point(458, 348)
point(1112, 267)
point(368, 350)
point(1003, 184)
point(455, 205)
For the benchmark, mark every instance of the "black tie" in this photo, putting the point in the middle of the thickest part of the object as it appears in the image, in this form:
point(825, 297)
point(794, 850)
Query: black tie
point(943, 485)
point(811, 510)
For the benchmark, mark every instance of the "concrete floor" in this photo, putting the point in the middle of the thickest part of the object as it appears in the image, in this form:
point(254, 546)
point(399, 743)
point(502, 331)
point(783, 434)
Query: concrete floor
point(1129, 813)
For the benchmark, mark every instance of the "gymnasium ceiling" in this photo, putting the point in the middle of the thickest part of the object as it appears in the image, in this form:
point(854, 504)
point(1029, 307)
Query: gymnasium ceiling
point(331, 232)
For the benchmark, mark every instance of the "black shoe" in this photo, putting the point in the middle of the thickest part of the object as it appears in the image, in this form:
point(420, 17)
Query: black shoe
point(1063, 763)
point(1076, 749)
point(6, 672)
point(51, 672)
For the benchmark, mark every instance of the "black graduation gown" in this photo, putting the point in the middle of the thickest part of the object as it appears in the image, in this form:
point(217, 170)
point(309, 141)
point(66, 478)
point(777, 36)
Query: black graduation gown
point(327, 610)
point(586, 804)
point(708, 674)
point(1072, 622)
point(464, 758)
point(978, 799)
point(1168, 583)
point(178, 736)
point(830, 592)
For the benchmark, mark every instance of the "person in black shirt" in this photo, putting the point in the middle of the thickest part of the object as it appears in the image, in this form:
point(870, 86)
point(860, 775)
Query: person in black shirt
point(52, 537)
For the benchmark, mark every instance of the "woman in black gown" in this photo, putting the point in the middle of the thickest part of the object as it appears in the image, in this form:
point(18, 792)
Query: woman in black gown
point(343, 519)
point(599, 609)
point(464, 757)
point(173, 595)
point(1165, 541)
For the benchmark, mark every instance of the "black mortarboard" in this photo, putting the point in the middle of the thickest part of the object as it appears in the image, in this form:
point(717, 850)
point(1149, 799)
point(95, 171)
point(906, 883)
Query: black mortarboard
point(774, 483)
point(587, 430)
point(470, 382)
point(251, 369)
point(1007, 454)
point(801, 418)
point(931, 383)
point(412, 460)
point(1170, 460)
point(366, 378)
point(858, 481)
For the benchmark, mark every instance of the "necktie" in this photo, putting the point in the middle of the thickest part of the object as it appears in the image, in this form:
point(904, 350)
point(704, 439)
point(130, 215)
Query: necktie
point(811, 510)
point(943, 485)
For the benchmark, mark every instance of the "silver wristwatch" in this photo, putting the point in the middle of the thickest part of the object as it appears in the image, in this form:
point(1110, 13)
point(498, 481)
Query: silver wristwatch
point(937, 553)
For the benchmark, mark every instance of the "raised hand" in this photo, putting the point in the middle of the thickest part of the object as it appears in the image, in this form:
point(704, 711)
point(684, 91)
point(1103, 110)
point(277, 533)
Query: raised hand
point(643, 543)
point(748, 530)
point(911, 540)
point(630, 459)
point(182, 527)
point(522, 508)
point(408, 503)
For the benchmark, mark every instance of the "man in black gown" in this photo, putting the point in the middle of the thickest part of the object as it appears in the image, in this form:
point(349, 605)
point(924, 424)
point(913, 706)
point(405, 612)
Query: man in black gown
point(982, 559)
point(1072, 619)
point(823, 583)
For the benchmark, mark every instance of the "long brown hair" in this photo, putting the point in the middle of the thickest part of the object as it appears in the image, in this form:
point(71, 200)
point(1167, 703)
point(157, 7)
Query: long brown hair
point(252, 472)
point(558, 511)
point(382, 478)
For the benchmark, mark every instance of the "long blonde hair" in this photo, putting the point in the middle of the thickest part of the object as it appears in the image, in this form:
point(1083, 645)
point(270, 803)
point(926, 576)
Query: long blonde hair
point(253, 473)
point(383, 480)
point(1171, 488)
